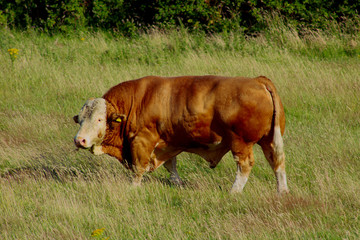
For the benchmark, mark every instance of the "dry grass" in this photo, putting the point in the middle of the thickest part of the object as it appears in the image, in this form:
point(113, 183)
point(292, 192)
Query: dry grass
point(50, 191)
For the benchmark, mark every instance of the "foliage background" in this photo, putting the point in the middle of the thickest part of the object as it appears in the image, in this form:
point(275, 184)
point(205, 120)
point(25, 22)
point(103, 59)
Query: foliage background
point(130, 17)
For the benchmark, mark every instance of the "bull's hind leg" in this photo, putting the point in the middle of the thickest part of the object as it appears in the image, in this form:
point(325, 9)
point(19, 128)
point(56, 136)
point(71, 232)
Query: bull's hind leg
point(244, 158)
point(274, 152)
point(170, 165)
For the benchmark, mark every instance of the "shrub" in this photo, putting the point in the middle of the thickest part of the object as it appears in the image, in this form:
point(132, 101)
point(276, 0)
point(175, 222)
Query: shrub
point(129, 17)
point(48, 15)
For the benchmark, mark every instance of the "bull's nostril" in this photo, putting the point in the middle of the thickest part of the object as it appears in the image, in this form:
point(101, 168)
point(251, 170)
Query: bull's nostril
point(80, 142)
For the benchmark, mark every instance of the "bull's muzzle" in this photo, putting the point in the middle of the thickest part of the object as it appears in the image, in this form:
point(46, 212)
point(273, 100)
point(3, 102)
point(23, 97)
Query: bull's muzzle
point(80, 142)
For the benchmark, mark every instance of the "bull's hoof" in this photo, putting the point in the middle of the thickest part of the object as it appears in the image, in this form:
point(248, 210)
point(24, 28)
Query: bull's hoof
point(137, 182)
point(283, 192)
point(235, 190)
point(177, 181)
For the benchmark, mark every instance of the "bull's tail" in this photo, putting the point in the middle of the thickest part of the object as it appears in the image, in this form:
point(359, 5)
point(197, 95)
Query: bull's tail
point(277, 136)
point(273, 148)
point(277, 140)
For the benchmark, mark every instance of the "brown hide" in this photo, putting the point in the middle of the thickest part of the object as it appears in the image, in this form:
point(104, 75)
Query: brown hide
point(206, 115)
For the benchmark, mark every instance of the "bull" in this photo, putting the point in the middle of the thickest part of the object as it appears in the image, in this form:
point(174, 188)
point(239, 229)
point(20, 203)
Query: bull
point(146, 123)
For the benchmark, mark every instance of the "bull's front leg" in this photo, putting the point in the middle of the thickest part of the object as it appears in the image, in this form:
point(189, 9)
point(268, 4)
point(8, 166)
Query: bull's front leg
point(170, 165)
point(138, 177)
point(141, 151)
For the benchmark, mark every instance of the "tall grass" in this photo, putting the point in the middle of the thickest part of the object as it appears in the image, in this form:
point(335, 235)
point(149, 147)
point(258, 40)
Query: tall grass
point(50, 191)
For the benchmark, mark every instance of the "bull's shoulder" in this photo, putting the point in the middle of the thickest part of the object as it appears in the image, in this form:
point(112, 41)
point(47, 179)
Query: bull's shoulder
point(119, 89)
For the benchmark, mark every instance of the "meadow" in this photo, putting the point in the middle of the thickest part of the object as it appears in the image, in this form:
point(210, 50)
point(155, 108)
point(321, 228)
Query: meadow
point(48, 190)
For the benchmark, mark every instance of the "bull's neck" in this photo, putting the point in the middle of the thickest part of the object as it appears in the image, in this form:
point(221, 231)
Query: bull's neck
point(113, 151)
point(123, 107)
point(114, 146)
point(117, 152)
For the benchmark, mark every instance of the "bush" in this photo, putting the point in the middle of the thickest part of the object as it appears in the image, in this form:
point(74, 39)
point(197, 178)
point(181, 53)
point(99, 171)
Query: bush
point(48, 15)
point(314, 14)
point(128, 17)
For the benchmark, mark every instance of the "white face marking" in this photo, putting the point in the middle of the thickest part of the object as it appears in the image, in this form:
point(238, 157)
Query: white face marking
point(92, 120)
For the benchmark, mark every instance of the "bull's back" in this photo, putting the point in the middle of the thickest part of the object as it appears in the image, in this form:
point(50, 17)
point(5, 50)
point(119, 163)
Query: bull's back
point(201, 108)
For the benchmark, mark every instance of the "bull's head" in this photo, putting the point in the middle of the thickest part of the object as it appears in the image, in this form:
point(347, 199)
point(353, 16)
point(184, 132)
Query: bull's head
point(96, 121)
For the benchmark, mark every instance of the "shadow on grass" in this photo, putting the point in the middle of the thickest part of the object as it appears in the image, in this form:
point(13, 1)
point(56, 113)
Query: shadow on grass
point(63, 174)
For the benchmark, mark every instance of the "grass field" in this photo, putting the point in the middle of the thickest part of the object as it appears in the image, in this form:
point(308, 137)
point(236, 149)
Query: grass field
point(50, 191)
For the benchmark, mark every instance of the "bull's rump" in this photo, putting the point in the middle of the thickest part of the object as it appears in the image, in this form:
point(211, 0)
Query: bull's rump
point(225, 106)
point(200, 110)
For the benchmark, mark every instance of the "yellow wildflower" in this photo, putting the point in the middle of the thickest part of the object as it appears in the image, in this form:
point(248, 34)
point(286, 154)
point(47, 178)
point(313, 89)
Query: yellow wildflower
point(13, 52)
point(82, 39)
point(97, 232)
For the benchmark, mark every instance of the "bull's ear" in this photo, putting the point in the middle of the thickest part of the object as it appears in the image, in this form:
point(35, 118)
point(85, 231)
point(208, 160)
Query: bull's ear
point(76, 118)
point(116, 117)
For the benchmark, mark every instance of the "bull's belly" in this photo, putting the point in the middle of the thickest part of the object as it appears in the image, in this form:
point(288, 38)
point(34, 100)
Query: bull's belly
point(212, 153)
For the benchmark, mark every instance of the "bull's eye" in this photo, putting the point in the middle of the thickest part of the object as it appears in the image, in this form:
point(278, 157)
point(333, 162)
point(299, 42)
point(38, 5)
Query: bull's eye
point(99, 120)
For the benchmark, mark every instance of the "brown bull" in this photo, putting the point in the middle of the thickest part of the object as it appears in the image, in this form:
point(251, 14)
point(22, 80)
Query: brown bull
point(147, 122)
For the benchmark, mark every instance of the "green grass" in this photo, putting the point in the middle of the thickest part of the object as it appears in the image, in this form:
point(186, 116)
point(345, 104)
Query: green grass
point(50, 191)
